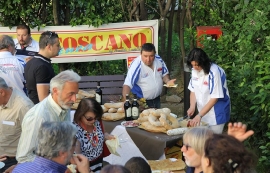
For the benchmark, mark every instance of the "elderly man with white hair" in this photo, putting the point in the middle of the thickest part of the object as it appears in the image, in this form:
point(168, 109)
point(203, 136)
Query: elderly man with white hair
point(55, 146)
point(55, 107)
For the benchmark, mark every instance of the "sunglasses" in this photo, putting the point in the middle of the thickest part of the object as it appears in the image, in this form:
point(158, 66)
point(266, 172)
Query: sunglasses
point(50, 35)
point(90, 118)
point(187, 146)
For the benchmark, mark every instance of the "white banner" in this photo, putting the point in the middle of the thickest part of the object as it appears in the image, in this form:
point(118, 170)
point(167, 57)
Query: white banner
point(108, 42)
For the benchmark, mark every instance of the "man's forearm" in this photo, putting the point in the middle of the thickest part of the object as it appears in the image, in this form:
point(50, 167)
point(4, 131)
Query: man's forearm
point(166, 78)
point(126, 90)
point(43, 91)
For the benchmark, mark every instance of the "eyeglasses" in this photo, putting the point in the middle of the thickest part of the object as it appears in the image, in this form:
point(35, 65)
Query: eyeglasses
point(187, 146)
point(90, 118)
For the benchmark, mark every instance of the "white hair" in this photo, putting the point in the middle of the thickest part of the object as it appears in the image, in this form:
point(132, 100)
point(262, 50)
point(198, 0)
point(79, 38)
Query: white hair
point(54, 137)
point(65, 76)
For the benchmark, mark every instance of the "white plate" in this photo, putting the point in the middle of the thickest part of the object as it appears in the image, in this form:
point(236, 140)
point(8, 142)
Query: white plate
point(173, 86)
point(129, 124)
point(2, 164)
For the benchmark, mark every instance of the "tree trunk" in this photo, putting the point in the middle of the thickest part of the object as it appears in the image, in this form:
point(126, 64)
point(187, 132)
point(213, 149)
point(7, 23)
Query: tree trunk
point(61, 66)
point(163, 13)
point(55, 4)
point(170, 32)
point(143, 11)
point(190, 23)
point(181, 31)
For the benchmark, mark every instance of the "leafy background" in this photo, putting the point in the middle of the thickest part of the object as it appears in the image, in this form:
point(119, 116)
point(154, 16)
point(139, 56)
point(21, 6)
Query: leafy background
point(242, 51)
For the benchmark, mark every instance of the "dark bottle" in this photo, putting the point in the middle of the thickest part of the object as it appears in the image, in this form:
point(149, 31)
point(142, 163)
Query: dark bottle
point(127, 107)
point(135, 109)
point(99, 94)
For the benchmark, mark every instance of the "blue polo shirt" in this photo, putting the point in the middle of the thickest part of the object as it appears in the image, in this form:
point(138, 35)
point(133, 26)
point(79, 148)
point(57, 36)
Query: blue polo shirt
point(40, 165)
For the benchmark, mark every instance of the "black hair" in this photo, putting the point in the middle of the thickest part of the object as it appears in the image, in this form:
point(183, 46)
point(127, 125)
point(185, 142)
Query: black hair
point(199, 56)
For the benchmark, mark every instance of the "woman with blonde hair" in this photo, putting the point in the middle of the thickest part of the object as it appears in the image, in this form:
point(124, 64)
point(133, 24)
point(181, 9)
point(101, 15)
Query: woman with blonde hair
point(193, 147)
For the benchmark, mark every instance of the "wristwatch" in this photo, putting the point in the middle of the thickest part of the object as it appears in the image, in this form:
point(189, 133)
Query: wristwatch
point(200, 116)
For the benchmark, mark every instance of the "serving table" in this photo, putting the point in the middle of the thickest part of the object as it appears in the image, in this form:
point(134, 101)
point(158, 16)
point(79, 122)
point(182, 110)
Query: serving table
point(150, 144)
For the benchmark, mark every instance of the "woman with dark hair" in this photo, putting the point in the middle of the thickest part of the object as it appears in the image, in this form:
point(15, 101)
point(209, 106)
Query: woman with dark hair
point(226, 154)
point(90, 135)
point(114, 169)
point(208, 89)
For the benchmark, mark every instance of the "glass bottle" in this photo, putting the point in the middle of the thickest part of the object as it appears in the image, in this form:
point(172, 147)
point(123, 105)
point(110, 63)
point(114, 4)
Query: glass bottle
point(99, 94)
point(135, 109)
point(127, 107)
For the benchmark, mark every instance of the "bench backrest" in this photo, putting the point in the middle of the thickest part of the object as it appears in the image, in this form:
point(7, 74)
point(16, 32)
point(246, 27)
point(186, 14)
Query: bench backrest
point(111, 86)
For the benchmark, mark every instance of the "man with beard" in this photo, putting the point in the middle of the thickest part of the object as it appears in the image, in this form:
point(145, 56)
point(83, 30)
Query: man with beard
point(55, 147)
point(55, 107)
point(39, 71)
point(25, 45)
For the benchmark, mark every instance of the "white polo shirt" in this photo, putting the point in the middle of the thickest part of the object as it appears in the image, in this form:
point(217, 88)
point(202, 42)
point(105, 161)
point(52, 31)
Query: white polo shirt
point(212, 85)
point(145, 82)
point(32, 47)
point(11, 70)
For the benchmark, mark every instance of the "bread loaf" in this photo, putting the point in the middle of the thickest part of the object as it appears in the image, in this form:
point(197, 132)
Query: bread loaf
point(177, 131)
point(120, 110)
point(112, 110)
point(113, 105)
point(113, 116)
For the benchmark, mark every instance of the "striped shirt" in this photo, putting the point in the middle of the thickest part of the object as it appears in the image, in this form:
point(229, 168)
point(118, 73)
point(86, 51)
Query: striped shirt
point(32, 47)
point(40, 165)
point(212, 85)
point(145, 82)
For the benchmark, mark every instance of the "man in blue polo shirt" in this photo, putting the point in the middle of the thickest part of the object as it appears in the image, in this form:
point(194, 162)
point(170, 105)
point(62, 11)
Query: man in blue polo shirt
point(146, 75)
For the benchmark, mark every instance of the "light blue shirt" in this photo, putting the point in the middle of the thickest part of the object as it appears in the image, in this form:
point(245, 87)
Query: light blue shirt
point(44, 111)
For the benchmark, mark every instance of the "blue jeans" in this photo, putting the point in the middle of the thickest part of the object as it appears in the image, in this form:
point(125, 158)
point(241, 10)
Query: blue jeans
point(154, 103)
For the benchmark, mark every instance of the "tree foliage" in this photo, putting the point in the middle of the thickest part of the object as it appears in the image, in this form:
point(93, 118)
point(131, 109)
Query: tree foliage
point(243, 51)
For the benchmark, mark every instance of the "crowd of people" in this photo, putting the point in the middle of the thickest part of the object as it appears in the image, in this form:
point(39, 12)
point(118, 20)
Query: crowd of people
point(37, 135)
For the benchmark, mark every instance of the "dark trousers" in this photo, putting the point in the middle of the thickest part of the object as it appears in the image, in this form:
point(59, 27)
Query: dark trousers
point(154, 103)
point(8, 163)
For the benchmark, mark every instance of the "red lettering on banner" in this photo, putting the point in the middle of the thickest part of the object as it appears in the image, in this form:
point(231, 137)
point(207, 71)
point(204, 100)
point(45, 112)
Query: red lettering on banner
point(139, 37)
point(84, 40)
point(72, 41)
point(126, 40)
point(112, 43)
point(94, 42)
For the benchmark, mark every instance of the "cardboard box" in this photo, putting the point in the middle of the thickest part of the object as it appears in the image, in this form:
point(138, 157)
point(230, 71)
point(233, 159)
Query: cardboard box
point(174, 151)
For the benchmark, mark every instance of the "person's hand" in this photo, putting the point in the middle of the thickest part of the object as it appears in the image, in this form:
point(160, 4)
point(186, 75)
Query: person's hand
point(190, 111)
point(108, 136)
point(82, 163)
point(239, 131)
point(171, 82)
point(3, 157)
point(10, 169)
point(195, 121)
point(68, 171)
point(28, 58)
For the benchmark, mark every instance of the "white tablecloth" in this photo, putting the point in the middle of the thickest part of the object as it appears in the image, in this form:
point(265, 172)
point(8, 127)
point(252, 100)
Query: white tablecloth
point(127, 150)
